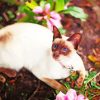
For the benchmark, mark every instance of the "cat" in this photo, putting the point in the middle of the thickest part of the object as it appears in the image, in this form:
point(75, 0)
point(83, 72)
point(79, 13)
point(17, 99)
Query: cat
point(34, 47)
point(64, 50)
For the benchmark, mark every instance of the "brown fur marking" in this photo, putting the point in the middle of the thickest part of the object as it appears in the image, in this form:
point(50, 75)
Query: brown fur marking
point(55, 84)
point(5, 38)
point(58, 51)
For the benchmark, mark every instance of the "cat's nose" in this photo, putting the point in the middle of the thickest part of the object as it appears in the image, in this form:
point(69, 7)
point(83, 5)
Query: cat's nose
point(56, 54)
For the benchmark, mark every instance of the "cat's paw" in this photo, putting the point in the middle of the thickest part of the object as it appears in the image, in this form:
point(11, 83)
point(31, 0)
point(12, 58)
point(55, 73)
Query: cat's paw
point(80, 81)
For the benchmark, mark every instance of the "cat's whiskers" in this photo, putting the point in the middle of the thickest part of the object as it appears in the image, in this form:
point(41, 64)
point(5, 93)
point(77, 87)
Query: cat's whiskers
point(67, 67)
point(61, 63)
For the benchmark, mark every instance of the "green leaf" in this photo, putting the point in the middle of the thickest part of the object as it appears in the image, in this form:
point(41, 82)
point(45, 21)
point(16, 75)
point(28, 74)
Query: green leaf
point(81, 90)
point(22, 8)
point(90, 77)
point(74, 75)
point(93, 84)
point(62, 31)
point(57, 91)
point(76, 12)
point(29, 14)
point(25, 9)
point(59, 5)
point(51, 4)
point(24, 19)
point(27, 19)
point(31, 4)
point(42, 3)
point(10, 14)
point(1, 18)
point(67, 1)
point(67, 85)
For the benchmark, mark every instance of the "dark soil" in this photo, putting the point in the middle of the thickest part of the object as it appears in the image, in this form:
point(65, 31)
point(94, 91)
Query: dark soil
point(25, 86)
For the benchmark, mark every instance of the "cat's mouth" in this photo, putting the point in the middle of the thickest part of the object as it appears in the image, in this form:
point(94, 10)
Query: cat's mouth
point(57, 59)
point(55, 56)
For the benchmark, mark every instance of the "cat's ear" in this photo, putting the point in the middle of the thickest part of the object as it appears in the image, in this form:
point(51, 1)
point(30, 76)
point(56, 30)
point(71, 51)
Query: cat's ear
point(75, 39)
point(56, 33)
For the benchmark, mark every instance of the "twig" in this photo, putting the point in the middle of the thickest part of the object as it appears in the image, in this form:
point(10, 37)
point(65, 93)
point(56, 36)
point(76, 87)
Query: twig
point(33, 94)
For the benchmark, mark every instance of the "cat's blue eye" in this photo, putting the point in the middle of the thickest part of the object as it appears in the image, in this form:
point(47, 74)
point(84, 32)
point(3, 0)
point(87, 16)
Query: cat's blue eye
point(64, 49)
point(55, 46)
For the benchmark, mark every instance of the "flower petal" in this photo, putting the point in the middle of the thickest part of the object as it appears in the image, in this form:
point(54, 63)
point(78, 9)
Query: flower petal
point(80, 97)
point(38, 10)
point(60, 96)
point(49, 24)
point(47, 8)
point(39, 18)
point(71, 94)
point(55, 15)
point(20, 15)
point(66, 98)
point(57, 23)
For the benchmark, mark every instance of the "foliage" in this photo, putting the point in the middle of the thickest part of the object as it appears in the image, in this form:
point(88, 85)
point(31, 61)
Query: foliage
point(76, 12)
point(95, 59)
point(25, 11)
point(89, 88)
point(58, 6)
point(89, 77)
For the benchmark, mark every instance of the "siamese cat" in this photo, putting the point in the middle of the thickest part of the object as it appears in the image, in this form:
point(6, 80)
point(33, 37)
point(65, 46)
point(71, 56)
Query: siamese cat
point(48, 55)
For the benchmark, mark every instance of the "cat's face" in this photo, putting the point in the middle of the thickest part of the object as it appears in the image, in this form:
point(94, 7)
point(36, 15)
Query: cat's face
point(62, 46)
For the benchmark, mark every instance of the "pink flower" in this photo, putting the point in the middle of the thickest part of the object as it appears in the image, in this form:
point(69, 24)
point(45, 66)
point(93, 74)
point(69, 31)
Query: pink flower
point(52, 18)
point(70, 95)
point(20, 15)
point(60, 96)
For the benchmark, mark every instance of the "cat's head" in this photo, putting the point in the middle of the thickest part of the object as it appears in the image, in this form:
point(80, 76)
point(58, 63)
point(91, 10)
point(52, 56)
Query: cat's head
point(63, 46)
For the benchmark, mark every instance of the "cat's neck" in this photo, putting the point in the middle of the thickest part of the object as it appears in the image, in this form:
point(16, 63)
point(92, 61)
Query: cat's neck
point(51, 68)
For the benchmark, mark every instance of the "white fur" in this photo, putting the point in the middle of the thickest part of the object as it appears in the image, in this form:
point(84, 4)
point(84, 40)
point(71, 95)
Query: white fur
point(73, 60)
point(30, 46)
